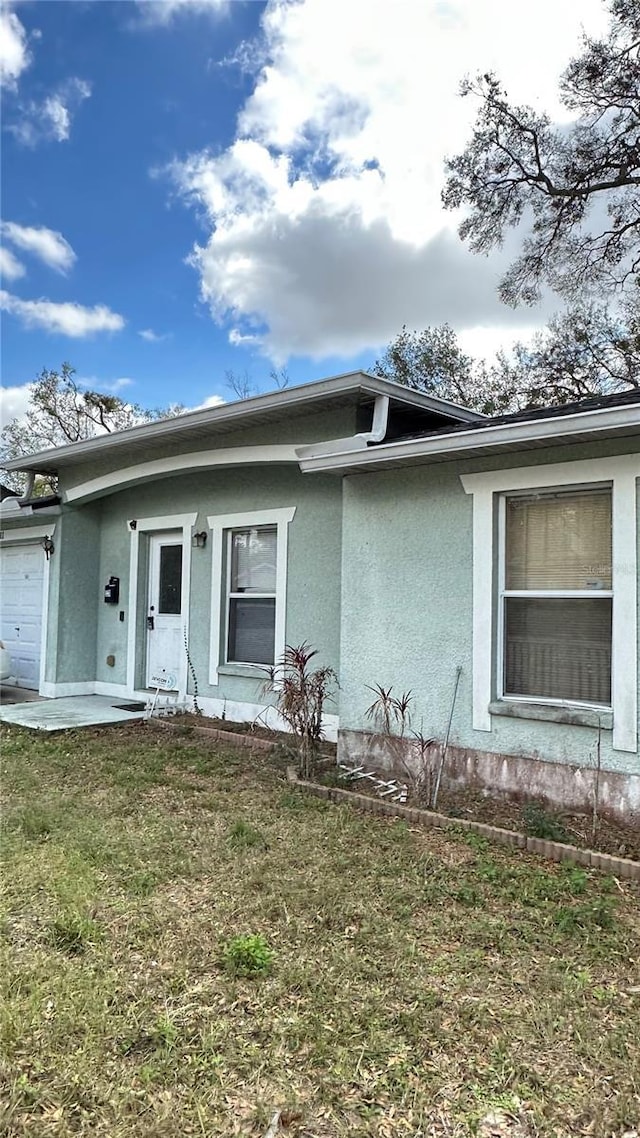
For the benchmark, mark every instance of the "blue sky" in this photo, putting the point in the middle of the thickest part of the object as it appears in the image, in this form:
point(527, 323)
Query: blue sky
point(296, 147)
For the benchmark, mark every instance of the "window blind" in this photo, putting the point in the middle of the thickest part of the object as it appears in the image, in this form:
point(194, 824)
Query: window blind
point(559, 542)
point(558, 648)
point(253, 560)
point(252, 601)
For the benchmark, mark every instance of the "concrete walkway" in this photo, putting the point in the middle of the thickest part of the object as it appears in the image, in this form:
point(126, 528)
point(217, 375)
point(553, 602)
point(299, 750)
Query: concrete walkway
point(67, 714)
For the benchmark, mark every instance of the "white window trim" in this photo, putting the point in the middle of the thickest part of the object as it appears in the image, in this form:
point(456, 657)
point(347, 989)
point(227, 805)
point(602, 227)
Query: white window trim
point(504, 593)
point(219, 524)
point(184, 522)
point(621, 472)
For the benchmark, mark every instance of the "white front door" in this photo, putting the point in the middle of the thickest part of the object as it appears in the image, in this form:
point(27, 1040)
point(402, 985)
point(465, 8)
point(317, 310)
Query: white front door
point(165, 643)
point(21, 597)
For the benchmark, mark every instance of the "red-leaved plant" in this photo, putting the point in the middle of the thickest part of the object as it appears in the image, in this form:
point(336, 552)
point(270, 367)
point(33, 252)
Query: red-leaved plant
point(301, 694)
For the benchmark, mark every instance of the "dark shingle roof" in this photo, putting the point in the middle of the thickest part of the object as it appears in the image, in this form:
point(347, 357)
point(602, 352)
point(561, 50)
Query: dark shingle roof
point(593, 403)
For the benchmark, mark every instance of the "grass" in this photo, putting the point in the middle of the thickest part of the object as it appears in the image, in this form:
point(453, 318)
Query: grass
point(420, 982)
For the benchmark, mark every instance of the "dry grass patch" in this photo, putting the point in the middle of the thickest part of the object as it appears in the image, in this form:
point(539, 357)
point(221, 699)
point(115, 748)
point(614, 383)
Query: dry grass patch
point(417, 983)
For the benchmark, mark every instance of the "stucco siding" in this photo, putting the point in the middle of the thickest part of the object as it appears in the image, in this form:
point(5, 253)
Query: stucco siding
point(74, 597)
point(293, 431)
point(407, 610)
point(313, 591)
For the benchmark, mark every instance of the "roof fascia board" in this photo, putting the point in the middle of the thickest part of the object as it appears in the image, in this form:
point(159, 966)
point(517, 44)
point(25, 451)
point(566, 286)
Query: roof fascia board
point(311, 393)
point(503, 434)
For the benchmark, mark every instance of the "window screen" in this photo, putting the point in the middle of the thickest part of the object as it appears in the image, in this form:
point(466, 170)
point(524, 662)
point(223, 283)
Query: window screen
point(557, 600)
point(252, 595)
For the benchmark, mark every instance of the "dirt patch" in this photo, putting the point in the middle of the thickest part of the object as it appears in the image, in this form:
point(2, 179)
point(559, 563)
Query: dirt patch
point(251, 729)
point(612, 837)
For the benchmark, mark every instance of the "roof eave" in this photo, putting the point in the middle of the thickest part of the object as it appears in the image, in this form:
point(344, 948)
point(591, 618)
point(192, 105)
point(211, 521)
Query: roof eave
point(461, 443)
point(47, 462)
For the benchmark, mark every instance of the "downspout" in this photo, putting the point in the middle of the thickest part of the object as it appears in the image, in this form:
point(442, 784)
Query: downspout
point(357, 442)
point(28, 491)
point(380, 421)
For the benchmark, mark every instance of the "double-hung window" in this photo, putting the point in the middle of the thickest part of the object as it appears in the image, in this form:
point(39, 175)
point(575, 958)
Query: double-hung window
point(248, 588)
point(556, 596)
point(252, 555)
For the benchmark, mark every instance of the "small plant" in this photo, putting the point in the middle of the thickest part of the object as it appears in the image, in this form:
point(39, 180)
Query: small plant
point(538, 823)
point(165, 1033)
point(300, 698)
point(243, 836)
point(248, 955)
point(73, 933)
point(419, 770)
point(388, 710)
point(591, 914)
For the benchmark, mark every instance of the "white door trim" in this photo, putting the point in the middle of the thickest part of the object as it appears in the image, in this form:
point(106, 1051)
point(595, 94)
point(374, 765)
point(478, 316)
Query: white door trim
point(184, 522)
point(219, 524)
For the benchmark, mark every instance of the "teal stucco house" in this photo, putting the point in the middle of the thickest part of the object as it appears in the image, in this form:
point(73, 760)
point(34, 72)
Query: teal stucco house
point(402, 536)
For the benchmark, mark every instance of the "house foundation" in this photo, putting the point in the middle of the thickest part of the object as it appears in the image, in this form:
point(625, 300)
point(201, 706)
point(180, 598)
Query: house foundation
point(520, 778)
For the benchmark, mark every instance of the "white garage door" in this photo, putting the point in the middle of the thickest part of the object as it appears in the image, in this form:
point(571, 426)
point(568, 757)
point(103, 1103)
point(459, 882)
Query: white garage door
point(21, 592)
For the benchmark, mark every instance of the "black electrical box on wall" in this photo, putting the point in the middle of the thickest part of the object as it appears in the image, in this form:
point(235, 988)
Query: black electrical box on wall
point(112, 591)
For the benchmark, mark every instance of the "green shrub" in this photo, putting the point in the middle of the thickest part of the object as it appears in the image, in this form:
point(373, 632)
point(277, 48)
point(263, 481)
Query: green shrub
point(248, 955)
point(538, 823)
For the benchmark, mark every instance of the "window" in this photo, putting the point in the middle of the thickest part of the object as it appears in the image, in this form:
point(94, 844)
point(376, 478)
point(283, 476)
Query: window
point(556, 603)
point(170, 583)
point(248, 587)
point(252, 575)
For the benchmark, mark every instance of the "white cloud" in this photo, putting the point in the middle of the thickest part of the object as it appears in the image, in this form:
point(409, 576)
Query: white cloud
point(50, 120)
point(14, 52)
point(164, 11)
point(10, 266)
point(211, 401)
point(46, 244)
point(65, 319)
point(153, 337)
point(14, 402)
point(326, 231)
point(110, 386)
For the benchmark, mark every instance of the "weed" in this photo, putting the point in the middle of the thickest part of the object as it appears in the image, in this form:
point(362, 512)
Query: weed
point(598, 913)
point(34, 822)
point(73, 932)
point(248, 955)
point(143, 883)
point(244, 836)
point(539, 823)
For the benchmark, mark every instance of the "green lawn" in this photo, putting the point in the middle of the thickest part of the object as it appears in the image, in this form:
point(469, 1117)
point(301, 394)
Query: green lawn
point(420, 980)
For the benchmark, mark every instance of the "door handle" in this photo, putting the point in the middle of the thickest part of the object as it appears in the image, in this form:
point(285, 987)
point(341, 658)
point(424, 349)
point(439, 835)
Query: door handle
point(150, 623)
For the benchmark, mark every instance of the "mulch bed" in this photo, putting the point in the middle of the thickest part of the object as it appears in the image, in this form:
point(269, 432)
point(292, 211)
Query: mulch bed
point(613, 837)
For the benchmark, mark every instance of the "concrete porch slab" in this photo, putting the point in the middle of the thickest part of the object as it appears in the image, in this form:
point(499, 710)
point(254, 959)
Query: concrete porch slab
point(68, 713)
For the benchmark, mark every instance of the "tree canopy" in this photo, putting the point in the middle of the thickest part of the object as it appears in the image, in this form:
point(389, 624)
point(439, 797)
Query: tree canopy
point(61, 412)
point(573, 190)
point(583, 351)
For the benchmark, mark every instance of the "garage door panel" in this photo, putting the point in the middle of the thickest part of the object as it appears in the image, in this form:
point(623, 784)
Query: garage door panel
point(21, 601)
